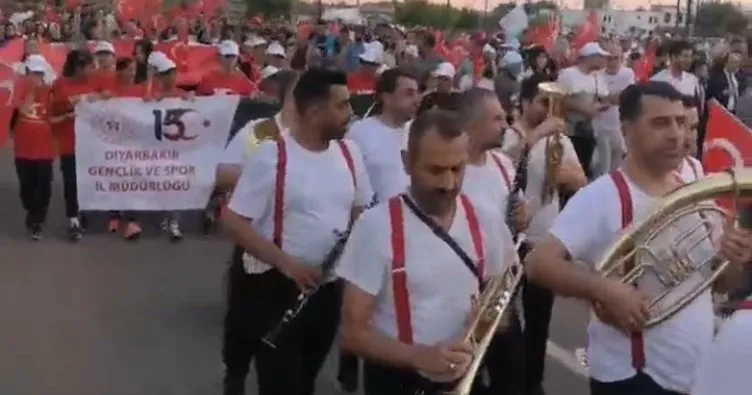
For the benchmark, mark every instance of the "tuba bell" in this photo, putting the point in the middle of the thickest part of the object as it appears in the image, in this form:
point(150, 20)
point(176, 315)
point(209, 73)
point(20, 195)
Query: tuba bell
point(556, 94)
point(673, 254)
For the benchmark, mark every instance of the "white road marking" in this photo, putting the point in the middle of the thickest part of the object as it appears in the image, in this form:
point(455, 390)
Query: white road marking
point(566, 358)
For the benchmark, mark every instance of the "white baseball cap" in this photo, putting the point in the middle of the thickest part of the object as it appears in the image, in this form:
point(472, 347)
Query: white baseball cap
point(104, 46)
point(254, 41)
point(593, 49)
point(371, 55)
point(445, 70)
point(268, 71)
point(275, 49)
point(229, 48)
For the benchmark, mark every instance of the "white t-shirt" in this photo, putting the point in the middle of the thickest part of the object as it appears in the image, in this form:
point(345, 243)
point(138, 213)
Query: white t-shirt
point(673, 347)
point(486, 186)
point(609, 118)
point(578, 82)
point(542, 216)
point(318, 197)
point(381, 147)
point(724, 369)
point(439, 285)
point(236, 152)
point(690, 170)
point(686, 84)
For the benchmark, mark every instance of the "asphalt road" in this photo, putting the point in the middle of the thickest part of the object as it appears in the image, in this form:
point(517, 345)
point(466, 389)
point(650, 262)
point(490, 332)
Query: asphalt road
point(110, 317)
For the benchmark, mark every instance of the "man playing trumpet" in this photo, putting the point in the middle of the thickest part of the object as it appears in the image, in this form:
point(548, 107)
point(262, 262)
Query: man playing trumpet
point(623, 356)
point(413, 264)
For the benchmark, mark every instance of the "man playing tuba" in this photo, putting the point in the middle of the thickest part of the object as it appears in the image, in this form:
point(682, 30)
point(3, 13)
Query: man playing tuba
point(624, 357)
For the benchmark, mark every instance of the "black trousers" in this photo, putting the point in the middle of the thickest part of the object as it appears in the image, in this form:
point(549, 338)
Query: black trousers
point(256, 303)
point(585, 147)
point(505, 359)
point(537, 303)
point(35, 188)
point(640, 384)
point(70, 186)
point(380, 379)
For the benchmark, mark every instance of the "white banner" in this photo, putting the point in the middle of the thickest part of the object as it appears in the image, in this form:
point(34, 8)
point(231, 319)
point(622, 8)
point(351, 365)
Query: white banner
point(146, 156)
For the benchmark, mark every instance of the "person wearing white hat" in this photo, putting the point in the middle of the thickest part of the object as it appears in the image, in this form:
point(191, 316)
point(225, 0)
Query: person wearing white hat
point(588, 97)
point(104, 56)
point(276, 55)
point(33, 148)
point(443, 76)
point(363, 80)
point(253, 56)
point(228, 79)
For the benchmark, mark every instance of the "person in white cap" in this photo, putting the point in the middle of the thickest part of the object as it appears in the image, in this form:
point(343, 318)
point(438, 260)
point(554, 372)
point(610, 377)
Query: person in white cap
point(588, 95)
point(363, 80)
point(443, 77)
point(104, 57)
point(228, 79)
point(34, 148)
point(253, 56)
point(276, 55)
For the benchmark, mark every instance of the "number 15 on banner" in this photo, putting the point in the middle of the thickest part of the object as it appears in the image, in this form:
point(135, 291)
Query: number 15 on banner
point(163, 119)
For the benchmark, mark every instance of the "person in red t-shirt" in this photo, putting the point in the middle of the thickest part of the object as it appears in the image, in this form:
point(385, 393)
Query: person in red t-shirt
point(163, 78)
point(73, 86)
point(122, 85)
point(229, 79)
point(363, 80)
point(33, 148)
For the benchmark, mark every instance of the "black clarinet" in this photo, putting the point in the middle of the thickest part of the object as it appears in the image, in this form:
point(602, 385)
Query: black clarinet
point(327, 271)
point(518, 186)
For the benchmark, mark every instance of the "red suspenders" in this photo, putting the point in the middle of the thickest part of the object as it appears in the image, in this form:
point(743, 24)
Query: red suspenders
point(399, 275)
point(504, 173)
point(279, 184)
point(625, 198)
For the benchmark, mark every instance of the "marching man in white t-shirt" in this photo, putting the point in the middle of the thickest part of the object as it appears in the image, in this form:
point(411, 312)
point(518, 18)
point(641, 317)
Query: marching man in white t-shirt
point(489, 181)
point(623, 357)
point(295, 197)
point(690, 169)
point(413, 265)
point(527, 140)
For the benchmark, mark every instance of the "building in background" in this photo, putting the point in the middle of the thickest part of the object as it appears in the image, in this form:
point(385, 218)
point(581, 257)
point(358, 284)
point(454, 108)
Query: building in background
point(634, 23)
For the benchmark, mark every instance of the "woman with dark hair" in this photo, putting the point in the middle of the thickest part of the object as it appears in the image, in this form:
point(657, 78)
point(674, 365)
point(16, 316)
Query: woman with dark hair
point(537, 62)
point(141, 51)
point(74, 86)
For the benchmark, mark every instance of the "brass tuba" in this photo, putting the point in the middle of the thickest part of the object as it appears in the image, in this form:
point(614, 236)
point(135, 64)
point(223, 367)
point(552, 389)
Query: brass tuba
point(672, 254)
point(556, 94)
point(492, 304)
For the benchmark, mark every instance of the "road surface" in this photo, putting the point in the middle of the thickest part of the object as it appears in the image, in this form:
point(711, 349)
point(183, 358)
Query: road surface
point(110, 317)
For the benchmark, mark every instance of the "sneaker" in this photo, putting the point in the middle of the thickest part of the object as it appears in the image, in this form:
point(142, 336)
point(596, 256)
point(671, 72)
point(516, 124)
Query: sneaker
point(132, 231)
point(174, 231)
point(29, 223)
point(75, 233)
point(36, 232)
point(114, 225)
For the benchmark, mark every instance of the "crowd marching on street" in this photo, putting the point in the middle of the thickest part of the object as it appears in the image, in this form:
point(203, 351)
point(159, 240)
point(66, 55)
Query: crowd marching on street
point(412, 200)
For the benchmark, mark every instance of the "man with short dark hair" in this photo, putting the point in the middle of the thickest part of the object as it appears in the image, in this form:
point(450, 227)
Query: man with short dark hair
point(624, 357)
point(676, 74)
point(413, 264)
point(296, 194)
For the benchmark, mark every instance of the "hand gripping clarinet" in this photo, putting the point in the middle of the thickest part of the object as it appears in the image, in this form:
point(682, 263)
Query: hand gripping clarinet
point(518, 190)
point(327, 271)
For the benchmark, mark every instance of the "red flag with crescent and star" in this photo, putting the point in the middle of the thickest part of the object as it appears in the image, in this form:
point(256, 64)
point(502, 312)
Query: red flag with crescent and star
point(728, 143)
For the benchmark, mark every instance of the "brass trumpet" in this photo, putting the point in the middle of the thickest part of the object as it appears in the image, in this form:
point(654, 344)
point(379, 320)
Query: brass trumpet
point(674, 251)
point(493, 303)
point(556, 94)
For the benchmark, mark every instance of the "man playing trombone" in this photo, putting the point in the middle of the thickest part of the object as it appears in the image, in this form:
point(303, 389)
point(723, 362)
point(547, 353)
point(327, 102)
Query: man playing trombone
point(625, 356)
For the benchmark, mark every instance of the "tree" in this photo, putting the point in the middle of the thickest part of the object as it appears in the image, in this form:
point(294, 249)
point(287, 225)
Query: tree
point(269, 8)
point(423, 13)
point(718, 19)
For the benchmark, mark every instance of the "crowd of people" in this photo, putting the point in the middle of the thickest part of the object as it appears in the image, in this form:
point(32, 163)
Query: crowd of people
point(444, 181)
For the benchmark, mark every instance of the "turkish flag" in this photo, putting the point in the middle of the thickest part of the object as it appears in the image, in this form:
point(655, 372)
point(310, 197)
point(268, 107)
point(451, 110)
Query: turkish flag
point(545, 34)
point(644, 67)
point(728, 143)
point(587, 32)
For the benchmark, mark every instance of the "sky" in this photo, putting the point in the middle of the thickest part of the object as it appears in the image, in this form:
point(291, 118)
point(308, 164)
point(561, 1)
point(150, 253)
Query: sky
point(480, 4)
